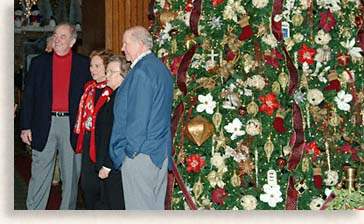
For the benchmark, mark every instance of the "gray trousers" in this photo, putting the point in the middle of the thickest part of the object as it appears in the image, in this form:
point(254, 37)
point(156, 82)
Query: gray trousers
point(43, 166)
point(144, 184)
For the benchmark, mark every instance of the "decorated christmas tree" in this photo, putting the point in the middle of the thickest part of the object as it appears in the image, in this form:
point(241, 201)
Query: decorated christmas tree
point(268, 107)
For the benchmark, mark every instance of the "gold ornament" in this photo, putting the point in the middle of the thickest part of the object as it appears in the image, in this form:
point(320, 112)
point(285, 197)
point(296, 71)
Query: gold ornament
point(181, 156)
point(245, 166)
point(197, 188)
point(174, 47)
point(262, 29)
point(283, 80)
point(235, 180)
point(189, 41)
point(276, 88)
point(216, 119)
point(227, 68)
point(252, 108)
point(232, 41)
point(167, 16)
point(334, 119)
point(349, 177)
point(220, 141)
point(305, 164)
point(268, 148)
point(297, 19)
point(199, 130)
point(207, 83)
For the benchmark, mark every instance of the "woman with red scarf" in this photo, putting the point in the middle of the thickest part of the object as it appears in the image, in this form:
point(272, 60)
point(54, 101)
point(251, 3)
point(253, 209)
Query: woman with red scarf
point(95, 95)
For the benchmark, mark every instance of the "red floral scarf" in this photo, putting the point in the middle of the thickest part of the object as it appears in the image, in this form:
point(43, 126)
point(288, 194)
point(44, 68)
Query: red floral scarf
point(87, 112)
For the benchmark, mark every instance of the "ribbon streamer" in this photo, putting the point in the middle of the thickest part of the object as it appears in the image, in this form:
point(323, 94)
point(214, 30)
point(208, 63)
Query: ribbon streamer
point(195, 16)
point(185, 63)
point(175, 174)
point(355, 97)
point(292, 194)
point(277, 25)
point(293, 73)
point(297, 149)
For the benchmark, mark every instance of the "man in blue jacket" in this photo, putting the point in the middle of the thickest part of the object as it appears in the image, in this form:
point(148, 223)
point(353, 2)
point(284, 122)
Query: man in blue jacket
point(52, 92)
point(141, 137)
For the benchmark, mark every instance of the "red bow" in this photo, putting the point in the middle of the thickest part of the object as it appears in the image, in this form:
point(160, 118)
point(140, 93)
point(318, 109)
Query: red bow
point(348, 149)
point(215, 2)
point(313, 147)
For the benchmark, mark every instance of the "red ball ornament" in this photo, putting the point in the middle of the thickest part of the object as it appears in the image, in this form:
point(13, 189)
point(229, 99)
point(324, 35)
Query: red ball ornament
point(242, 111)
point(281, 162)
point(358, 21)
point(343, 59)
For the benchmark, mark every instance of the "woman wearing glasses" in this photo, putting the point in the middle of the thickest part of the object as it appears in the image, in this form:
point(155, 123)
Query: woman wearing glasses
point(111, 184)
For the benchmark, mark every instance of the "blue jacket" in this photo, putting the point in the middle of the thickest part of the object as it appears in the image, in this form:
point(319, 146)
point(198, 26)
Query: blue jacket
point(37, 101)
point(142, 113)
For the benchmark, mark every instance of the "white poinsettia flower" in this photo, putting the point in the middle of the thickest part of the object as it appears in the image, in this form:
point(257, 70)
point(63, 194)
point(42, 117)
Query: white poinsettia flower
point(215, 178)
point(260, 3)
point(298, 37)
point(249, 202)
point(342, 100)
point(333, 5)
point(207, 103)
point(322, 38)
point(256, 81)
point(270, 40)
point(272, 195)
point(354, 52)
point(234, 128)
point(218, 161)
point(229, 13)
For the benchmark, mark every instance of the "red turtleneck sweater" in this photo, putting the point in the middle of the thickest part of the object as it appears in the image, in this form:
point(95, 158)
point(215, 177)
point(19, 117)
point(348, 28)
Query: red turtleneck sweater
point(61, 81)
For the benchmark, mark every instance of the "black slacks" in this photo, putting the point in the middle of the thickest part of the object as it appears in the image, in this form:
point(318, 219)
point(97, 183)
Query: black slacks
point(100, 194)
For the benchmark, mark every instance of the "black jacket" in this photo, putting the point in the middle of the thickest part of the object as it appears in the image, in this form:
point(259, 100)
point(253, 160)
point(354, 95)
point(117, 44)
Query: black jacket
point(37, 101)
point(103, 128)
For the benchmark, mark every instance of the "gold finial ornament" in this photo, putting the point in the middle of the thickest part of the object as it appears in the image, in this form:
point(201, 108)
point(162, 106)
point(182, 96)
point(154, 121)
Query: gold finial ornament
point(276, 88)
point(268, 148)
point(235, 180)
point(197, 188)
point(216, 119)
point(283, 80)
point(252, 108)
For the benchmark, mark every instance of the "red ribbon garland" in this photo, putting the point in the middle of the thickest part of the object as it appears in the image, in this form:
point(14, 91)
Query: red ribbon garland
point(175, 174)
point(185, 63)
point(195, 16)
point(258, 55)
point(293, 73)
point(292, 194)
point(177, 114)
point(277, 26)
point(355, 97)
point(299, 143)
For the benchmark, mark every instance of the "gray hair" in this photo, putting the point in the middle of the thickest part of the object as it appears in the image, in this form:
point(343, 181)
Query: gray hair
point(72, 27)
point(124, 64)
point(142, 34)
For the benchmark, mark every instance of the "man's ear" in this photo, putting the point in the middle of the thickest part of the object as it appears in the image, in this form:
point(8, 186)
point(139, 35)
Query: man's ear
point(73, 41)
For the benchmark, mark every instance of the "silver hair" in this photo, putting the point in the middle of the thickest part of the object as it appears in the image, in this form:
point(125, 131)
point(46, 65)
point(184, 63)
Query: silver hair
point(142, 34)
point(123, 63)
point(72, 27)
